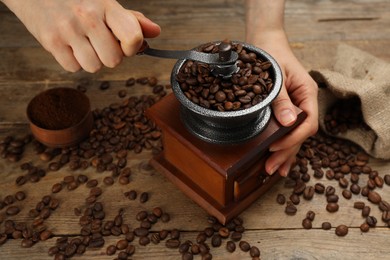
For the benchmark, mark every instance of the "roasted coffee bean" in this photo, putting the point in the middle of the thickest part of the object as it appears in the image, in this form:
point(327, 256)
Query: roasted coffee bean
point(26, 243)
point(310, 215)
point(319, 188)
point(386, 216)
point(163, 234)
point(306, 223)
point(143, 241)
point(157, 211)
point(92, 183)
point(341, 230)
point(280, 199)
point(224, 232)
point(364, 227)
point(244, 246)
point(201, 238)
point(387, 179)
point(371, 221)
point(20, 195)
point(57, 187)
point(122, 244)
point(129, 236)
point(172, 243)
point(332, 198)
point(332, 207)
point(216, 241)
point(165, 217)
point(366, 211)
point(230, 246)
point(359, 205)
point(374, 197)
point(155, 238)
point(384, 206)
point(144, 197)
point(142, 215)
point(326, 225)
point(330, 190)
point(294, 198)
point(12, 210)
point(254, 251)
point(236, 236)
point(308, 193)
point(187, 256)
point(111, 250)
point(355, 189)
point(175, 233)
point(108, 180)
point(347, 194)
point(132, 195)
point(290, 209)
point(104, 85)
point(141, 232)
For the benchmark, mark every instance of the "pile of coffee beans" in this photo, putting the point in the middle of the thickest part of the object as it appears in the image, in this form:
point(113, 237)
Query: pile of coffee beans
point(345, 114)
point(344, 163)
point(119, 129)
point(247, 87)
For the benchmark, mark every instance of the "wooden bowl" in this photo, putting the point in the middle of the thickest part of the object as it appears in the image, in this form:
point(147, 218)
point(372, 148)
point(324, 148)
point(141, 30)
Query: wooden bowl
point(60, 117)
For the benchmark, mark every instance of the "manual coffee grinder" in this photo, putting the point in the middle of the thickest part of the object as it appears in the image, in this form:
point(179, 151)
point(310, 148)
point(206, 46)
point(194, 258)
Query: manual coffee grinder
point(217, 157)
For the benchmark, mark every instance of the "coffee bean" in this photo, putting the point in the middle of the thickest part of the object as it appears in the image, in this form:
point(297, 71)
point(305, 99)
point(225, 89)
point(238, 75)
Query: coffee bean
point(358, 205)
point(371, 221)
point(144, 197)
point(230, 246)
point(26, 243)
point(187, 256)
point(172, 243)
point(387, 179)
point(308, 193)
point(104, 85)
point(141, 232)
point(143, 241)
point(319, 188)
point(216, 241)
point(254, 251)
point(374, 197)
point(332, 207)
point(132, 195)
point(330, 190)
point(326, 225)
point(142, 215)
point(294, 198)
point(306, 223)
point(165, 217)
point(366, 211)
point(290, 209)
point(364, 227)
point(310, 215)
point(236, 236)
point(20, 195)
point(108, 180)
point(12, 210)
point(341, 230)
point(224, 232)
point(122, 244)
point(244, 246)
point(111, 250)
point(92, 183)
point(175, 233)
point(347, 194)
point(280, 199)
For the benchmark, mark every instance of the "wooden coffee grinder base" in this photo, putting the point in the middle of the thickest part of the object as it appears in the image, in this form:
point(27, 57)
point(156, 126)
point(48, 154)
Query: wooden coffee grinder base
point(223, 179)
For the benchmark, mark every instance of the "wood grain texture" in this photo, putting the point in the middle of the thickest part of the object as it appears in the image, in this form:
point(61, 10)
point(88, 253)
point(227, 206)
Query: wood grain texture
point(315, 28)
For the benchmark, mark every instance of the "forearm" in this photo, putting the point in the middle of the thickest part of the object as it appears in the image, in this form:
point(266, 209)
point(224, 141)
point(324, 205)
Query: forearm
point(263, 16)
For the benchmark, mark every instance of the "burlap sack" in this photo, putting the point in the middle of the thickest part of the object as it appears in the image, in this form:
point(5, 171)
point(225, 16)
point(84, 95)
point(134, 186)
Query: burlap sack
point(357, 73)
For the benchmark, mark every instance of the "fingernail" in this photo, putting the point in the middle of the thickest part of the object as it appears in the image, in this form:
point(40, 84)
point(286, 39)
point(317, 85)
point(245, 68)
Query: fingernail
point(273, 148)
point(273, 170)
point(287, 117)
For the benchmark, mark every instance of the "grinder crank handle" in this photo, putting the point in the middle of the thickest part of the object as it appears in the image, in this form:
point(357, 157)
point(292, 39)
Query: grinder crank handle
point(225, 56)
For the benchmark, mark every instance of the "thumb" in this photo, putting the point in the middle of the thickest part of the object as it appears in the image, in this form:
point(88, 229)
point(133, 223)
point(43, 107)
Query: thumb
point(283, 108)
point(149, 28)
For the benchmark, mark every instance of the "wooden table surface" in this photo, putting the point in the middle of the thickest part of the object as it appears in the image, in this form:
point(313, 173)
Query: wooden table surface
point(315, 28)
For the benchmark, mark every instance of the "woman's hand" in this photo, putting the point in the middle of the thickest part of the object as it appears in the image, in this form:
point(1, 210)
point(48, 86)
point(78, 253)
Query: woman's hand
point(85, 33)
point(298, 89)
